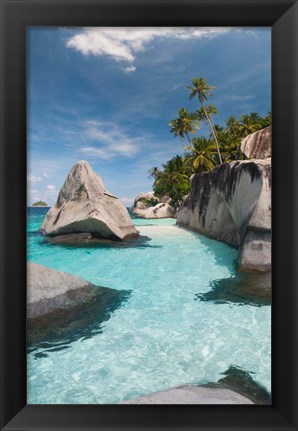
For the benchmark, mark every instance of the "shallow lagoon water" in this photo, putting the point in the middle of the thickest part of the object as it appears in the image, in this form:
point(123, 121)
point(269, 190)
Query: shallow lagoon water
point(160, 336)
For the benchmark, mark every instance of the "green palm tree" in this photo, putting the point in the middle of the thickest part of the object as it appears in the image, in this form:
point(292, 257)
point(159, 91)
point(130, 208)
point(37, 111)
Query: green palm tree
point(229, 144)
point(233, 126)
point(202, 154)
point(202, 90)
point(177, 163)
point(266, 121)
point(249, 123)
point(183, 125)
point(154, 172)
point(205, 114)
point(172, 181)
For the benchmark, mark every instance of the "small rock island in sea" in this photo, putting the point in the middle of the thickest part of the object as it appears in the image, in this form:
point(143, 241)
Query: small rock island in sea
point(40, 204)
point(84, 207)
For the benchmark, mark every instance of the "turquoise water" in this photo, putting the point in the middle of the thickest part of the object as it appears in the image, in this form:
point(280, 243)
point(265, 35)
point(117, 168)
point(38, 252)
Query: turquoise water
point(160, 336)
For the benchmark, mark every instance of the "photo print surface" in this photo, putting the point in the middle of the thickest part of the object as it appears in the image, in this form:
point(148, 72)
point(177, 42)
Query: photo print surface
point(149, 215)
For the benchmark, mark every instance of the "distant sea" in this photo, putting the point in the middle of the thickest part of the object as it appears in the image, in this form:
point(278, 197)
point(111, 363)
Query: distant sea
point(157, 333)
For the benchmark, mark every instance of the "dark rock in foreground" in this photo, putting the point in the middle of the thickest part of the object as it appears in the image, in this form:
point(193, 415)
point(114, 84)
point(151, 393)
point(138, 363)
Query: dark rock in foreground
point(241, 381)
point(70, 238)
point(49, 290)
point(187, 394)
point(87, 240)
point(245, 288)
point(236, 387)
point(85, 206)
point(62, 308)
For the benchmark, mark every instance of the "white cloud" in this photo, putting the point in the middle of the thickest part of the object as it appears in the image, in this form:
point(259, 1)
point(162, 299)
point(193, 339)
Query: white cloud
point(129, 69)
point(45, 175)
point(108, 140)
point(100, 43)
point(33, 179)
point(123, 44)
point(238, 97)
point(96, 152)
point(176, 86)
point(51, 187)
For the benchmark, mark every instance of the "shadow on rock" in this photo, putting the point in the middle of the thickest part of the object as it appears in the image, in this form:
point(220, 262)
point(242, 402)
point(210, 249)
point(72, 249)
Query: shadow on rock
point(241, 382)
point(87, 240)
point(244, 288)
point(58, 329)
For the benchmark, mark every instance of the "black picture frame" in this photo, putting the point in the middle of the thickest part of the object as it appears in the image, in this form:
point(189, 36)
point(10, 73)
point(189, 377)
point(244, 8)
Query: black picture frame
point(16, 15)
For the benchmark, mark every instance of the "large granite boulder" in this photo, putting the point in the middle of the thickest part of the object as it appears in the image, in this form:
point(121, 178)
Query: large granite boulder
point(85, 206)
point(232, 203)
point(161, 210)
point(49, 290)
point(143, 201)
point(147, 205)
point(257, 145)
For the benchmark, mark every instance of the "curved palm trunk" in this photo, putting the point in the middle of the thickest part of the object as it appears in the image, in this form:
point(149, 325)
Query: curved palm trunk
point(213, 125)
point(175, 190)
point(188, 138)
point(213, 133)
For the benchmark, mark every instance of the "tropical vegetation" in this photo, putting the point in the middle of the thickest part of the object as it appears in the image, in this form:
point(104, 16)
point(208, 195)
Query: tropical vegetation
point(202, 153)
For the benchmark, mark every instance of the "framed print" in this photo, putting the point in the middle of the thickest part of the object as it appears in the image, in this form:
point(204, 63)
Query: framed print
point(102, 101)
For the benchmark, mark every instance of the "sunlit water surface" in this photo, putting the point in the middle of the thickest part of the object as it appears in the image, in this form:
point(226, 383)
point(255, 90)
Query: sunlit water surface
point(160, 336)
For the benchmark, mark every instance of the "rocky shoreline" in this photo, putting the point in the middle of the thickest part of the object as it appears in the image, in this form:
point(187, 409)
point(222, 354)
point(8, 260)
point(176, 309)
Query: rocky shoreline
point(231, 203)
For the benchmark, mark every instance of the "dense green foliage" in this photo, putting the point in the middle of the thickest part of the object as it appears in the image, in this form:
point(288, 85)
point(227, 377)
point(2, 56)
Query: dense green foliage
point(202, 153)
point(40, 204)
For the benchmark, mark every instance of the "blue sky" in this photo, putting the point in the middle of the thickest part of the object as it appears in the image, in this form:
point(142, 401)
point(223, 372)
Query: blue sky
point(106, 95)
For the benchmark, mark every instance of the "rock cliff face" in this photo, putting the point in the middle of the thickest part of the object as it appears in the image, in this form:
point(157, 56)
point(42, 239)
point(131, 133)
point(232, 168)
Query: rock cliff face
point(85, 206)
point(232, 203)
point(257, 145)
point(142, 206)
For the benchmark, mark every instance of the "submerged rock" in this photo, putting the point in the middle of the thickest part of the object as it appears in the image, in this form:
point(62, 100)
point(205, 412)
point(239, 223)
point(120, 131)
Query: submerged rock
point(245, 288)
point(49, 290)
point(62, 308)
point(147, 205)
point(85, 206)
point(257, 145)
point(71, 238)
point(232, 203)
point(241, 381)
